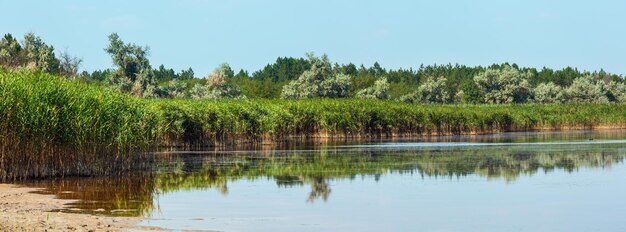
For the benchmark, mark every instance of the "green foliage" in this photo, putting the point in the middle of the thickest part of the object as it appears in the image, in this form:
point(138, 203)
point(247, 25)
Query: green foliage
point(216, 87)
point(431, 91)
point(52, 126)
point(130, 59)
point(32, 54)
point(133, 73)
point(587, 89)
point(200, 92)
point(548, 93)
point(163, 74)
point(327, 164)
point(503, 86)
point(39, 55)
point(616, 91)
point(378, 90)
point(176, 89)
point(285, 69)
point(318, 82)
point(10, 51)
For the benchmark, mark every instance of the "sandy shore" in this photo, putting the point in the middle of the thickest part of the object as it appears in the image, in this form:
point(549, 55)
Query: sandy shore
point(21, 210)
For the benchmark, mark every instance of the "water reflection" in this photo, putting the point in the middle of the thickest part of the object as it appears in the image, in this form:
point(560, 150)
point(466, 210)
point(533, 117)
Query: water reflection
point(117, 196)
point(316, 169)
point(138, 194)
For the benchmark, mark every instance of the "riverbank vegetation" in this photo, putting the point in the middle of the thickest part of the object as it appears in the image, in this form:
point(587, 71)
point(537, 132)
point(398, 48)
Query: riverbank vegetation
point(136, 195)
point(318, 77)
point(52, 126)
point(56, 122)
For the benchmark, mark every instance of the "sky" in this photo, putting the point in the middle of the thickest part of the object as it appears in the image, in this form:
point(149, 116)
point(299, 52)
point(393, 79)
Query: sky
point(249, 34)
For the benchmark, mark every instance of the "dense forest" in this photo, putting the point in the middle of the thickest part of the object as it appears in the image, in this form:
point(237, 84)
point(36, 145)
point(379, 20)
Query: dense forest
point(317, 77)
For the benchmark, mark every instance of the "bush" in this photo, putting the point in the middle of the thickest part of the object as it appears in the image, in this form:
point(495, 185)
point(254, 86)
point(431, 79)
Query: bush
point(503, 86)
point(587, 89)
point(432, 91)
point(548, 93)
point(378, 90)
point(318, 82)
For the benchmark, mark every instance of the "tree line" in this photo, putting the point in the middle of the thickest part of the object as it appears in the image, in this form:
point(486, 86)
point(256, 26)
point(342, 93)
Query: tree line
point(317, 77)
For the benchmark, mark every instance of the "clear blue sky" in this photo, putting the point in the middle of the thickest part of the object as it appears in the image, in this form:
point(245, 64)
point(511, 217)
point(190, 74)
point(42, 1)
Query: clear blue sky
point(249, 34)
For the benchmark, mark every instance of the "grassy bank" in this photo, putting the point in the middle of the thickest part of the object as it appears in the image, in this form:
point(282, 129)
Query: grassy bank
point(198, 122)
point(53, 127)
point(50, 126)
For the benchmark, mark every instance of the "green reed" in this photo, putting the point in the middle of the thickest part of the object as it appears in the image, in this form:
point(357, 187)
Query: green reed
point(53, 127)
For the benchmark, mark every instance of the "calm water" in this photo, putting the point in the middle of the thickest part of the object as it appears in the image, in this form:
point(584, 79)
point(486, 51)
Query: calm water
point(571, 181)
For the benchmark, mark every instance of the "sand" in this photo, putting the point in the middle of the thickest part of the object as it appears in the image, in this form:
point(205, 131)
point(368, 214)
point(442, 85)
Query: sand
point(21, 210)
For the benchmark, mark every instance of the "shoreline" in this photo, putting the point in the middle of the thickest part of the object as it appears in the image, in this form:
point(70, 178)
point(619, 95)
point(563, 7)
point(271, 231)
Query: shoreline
point(26, 209)
point(23, 210)
point(325, 136)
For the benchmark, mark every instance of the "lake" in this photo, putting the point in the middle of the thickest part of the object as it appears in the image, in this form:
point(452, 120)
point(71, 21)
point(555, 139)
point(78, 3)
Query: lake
point(534, 181)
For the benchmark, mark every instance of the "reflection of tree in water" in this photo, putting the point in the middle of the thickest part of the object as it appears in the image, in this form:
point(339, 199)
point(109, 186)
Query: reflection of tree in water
point(319, 189)
point(135, 196)
point(319, 168)
point(118, 195)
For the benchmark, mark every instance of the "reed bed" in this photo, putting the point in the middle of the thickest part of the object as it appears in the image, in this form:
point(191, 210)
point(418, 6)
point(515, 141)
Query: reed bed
point(53, 127)
point(200, 123)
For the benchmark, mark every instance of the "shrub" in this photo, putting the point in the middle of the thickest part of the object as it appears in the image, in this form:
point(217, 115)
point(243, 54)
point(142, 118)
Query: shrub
point(378, 90)
point(503, 86)
point(318, 81)
point(548, 93)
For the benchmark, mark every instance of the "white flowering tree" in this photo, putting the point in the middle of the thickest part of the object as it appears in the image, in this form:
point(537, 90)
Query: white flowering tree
point(548, 93)
point(433, 90)
point(587, 89)
point(318, 82)
point(217, 87)
point(504, 86)
point(378, 90)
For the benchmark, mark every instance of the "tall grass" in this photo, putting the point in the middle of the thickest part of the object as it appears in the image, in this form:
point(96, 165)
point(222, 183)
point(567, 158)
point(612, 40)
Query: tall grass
point(53, 127)
point(201, 122)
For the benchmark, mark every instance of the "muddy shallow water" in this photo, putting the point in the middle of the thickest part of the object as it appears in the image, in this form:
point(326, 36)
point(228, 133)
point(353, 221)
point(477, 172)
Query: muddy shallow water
point(537, 181)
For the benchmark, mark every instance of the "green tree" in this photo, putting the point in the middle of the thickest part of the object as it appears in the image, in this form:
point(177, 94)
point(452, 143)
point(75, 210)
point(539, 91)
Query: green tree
point(10, 52)
point(318, 81)
point(547, 93)
point(32, 53)
point(133, 73)
point(217, 86)
point(378, 90)
point(186, 74)
point(39, 55)
point(503, 86)
point(432, 91)
point(129, 58)
point(586, 89)
point(616, 91)
point(176, 88)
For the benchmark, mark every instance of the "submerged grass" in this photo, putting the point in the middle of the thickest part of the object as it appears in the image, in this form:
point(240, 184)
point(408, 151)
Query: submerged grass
point(53, 127)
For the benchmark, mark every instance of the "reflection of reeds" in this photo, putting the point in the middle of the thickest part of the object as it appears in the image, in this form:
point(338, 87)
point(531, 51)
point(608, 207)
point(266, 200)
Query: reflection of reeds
point(119, 196)
point(135, 195)
point(319, 167)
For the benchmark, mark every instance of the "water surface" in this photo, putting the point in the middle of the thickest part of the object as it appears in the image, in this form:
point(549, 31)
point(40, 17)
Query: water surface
point(539, 181)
